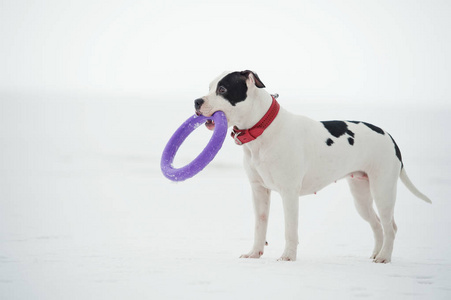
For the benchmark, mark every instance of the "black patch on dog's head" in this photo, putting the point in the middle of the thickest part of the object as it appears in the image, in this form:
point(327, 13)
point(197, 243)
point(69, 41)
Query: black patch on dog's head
point(235, 86)
point(329, 142)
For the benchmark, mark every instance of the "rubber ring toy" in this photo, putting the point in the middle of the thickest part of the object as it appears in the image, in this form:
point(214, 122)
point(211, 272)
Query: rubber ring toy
point(204, 158)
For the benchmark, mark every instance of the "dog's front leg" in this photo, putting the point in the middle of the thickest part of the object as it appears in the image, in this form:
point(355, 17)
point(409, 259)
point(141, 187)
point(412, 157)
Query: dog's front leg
point(291, 213)
point(261, 200)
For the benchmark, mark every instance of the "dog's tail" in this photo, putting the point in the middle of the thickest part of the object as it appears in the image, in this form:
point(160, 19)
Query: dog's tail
point(405, 179)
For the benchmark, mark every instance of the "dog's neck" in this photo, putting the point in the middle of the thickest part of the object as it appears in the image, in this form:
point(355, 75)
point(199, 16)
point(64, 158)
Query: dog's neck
point(259, 102)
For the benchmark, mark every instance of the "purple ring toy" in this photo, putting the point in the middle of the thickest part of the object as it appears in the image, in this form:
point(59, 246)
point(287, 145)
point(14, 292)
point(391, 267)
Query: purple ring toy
point(204, 158)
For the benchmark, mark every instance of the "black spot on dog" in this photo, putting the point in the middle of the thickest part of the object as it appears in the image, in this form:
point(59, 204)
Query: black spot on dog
point(374, 128)
point(397, 151)
point(236, 88)
point(370, 126)
point(337, 129)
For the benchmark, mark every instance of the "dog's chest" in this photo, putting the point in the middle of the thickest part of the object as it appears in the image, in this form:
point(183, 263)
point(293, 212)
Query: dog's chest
point(264, 174)
point(269, 167)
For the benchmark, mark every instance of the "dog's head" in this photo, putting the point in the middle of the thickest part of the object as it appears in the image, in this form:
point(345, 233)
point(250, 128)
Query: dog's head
point(232, 93)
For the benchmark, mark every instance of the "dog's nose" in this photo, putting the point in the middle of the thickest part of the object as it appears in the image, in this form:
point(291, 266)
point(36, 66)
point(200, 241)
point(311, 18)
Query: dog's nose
point(198, 103)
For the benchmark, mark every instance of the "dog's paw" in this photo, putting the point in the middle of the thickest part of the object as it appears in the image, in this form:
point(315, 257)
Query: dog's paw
point(253, 254)
point(288, 256)
point(382, 260)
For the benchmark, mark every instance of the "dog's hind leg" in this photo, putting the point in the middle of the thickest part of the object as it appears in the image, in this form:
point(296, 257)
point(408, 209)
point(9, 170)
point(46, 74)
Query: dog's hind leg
point(261, 200)
point(383, 190)
point(360, 189)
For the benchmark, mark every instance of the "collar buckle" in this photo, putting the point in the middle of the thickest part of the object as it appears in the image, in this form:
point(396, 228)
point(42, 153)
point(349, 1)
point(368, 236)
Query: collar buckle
point(235, 137)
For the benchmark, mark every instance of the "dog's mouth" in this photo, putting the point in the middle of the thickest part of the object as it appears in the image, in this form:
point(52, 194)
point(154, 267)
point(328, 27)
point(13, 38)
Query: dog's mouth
point(210, 124)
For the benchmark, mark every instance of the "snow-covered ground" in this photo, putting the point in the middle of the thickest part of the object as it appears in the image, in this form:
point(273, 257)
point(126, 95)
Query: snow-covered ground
point(86, 214)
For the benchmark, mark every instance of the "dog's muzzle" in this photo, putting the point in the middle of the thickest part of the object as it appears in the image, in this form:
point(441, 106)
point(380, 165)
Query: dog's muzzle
point(198, 104)
point(210, 124)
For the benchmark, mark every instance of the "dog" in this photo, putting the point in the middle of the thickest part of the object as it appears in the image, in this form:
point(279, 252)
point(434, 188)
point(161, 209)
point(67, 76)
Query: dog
point(295, 156)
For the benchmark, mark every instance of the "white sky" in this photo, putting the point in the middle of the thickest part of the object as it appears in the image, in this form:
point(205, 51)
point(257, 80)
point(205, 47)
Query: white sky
point(395, 51)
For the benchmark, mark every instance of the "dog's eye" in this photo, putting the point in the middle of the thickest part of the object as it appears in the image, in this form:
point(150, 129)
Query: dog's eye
point(222, 90)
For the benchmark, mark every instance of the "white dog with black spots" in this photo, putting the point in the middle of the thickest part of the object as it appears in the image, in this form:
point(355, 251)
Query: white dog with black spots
point(295, 156)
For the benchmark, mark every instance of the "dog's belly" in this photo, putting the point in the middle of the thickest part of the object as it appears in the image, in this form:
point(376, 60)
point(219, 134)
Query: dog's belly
point(310, 183)
point(326, 169)
point(313, 183)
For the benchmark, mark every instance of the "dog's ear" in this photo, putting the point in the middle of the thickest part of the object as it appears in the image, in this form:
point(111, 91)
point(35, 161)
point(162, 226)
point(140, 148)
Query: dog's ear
point(253, 77)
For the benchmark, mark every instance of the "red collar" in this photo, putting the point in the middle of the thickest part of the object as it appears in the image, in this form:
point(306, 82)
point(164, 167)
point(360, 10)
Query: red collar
point(243, 136)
